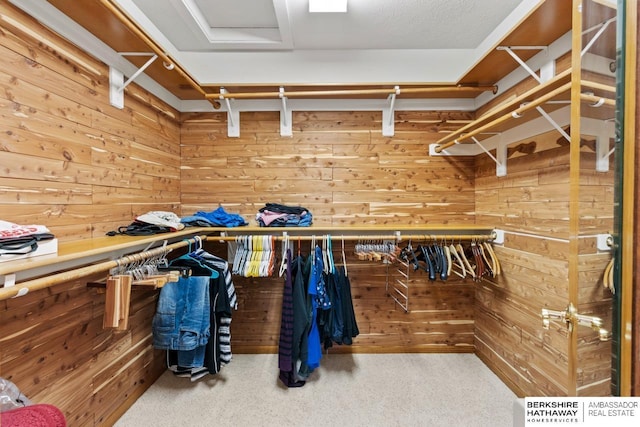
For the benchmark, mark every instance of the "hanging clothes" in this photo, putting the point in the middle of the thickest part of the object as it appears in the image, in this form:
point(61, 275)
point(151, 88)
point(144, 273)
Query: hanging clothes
point(208, 357)
point(338, 325)
point(219, 308)
point(350, 325)
point(224, 323)
point(182, 321)
point(317, 298)
point(286, 362)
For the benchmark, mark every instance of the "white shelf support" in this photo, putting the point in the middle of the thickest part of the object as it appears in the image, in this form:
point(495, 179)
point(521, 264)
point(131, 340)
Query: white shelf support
point(553, 123)
point(117, 83)
point(548, 71)
point(510, 51)
point(501, 160)
point(602, 29)
point(501, 154)
point(388, 115)
point(286, 116)
point(233, 116)
point(602, 146)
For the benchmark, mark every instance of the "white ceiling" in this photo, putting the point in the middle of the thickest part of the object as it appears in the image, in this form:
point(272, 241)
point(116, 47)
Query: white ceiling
point(210, 25)
point(279, 41)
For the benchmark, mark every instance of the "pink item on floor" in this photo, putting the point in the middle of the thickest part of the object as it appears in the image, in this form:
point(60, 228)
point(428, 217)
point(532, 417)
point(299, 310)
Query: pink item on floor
point(39, 415)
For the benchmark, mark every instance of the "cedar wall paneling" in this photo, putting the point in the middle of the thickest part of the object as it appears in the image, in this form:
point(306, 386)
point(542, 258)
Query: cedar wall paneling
point(596, 217)
point(533, 199)
point(71, 161)
point(339, 166)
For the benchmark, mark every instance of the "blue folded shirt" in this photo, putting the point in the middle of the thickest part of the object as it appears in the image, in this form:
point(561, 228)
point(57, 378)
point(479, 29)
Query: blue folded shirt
point(217, 218)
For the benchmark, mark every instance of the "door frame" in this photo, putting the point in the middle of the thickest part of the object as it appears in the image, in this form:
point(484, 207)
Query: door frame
point(629, 339)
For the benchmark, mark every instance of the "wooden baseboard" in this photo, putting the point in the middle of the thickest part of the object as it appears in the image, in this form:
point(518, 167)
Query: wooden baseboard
point(129, 401)
point(340, 349)
point(503, 377)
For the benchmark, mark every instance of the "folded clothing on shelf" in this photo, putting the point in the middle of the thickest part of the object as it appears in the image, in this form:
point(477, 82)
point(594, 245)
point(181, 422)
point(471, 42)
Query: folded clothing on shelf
point(216, 218)
point(162, 218)
point(21, 241)
point(150, 223)
point(277, 215)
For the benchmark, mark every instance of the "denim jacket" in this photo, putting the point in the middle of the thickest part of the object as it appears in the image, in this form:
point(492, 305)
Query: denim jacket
point(182, 319)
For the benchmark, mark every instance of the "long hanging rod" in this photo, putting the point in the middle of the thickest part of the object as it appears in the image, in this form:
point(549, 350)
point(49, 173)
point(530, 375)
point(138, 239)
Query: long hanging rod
point(395, 237)
point(337, 92)
point(155, 47)
point(24, 288)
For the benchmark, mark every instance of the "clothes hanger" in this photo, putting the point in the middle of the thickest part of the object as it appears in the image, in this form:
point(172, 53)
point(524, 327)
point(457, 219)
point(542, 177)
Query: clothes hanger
point(187, 257)
point(607, 277)
point(332, 265)
point(325, 259)
point(442, 261)
point(486, 262)
point(465, 260)
point(447, 253)
point(477, 259)
point(344, 258)
point(283, 262)
point(458, 262)
point(494, 259)
point(430, 267)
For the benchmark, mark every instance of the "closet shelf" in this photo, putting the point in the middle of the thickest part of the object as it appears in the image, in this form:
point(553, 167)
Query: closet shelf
point(512, 113)
point(81, 252)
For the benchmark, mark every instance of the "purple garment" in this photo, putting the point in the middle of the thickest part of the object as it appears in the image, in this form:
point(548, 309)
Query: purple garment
point(285, 345)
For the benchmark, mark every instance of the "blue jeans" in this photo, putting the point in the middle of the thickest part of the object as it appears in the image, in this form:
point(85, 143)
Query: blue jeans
point(182, 319)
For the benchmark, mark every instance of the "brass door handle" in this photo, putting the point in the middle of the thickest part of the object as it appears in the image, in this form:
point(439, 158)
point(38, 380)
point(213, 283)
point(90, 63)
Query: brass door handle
point(571, 318)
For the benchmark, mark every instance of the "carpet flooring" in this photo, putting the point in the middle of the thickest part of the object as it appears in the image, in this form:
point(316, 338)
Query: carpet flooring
point(347, 390)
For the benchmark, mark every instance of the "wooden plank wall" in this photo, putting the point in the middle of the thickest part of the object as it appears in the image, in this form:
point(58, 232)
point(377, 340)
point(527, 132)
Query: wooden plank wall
point(532, 201)
point(71, 161)
point(596, 217)
point(338, 165)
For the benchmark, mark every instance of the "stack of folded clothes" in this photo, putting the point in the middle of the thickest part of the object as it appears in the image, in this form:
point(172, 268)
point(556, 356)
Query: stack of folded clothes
point(276, 215)
point(20, 240)
point(217, 218)
point(153, 222)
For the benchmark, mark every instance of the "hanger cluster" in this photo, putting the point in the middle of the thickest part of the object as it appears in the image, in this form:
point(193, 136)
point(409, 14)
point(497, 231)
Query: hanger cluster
point(255, 256)
point(440, 260)
point(385, 250)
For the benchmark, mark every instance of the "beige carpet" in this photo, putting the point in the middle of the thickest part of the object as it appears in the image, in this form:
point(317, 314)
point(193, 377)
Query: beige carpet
point(347, 390)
